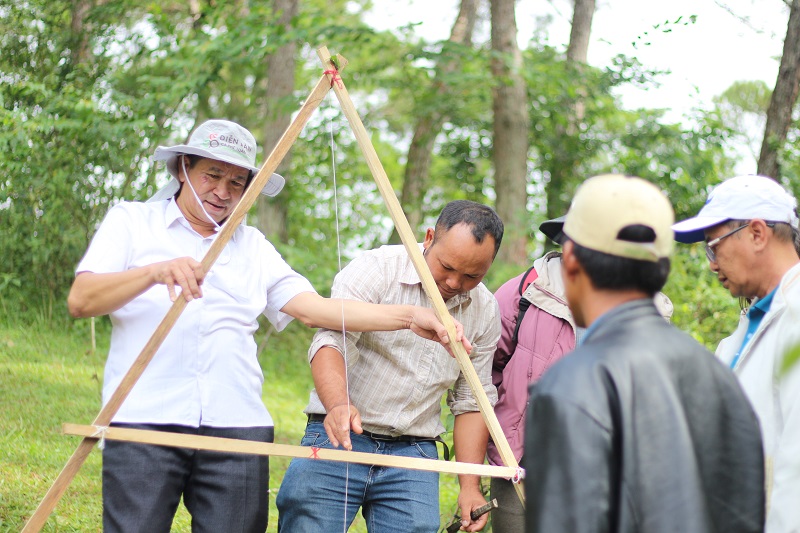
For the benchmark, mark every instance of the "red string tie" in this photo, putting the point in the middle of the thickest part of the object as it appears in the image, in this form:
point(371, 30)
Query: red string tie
point(335, 78)
point(314, 452)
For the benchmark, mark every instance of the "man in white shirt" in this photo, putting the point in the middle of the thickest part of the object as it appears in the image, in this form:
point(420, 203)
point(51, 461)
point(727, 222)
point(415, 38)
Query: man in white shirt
point(205, 378)
point(750, 227)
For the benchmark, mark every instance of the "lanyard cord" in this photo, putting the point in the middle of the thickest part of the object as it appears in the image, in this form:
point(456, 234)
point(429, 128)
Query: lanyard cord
point(199, 202)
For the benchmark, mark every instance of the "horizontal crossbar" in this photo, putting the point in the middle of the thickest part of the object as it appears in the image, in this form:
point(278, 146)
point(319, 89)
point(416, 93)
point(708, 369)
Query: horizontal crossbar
point(217, 444)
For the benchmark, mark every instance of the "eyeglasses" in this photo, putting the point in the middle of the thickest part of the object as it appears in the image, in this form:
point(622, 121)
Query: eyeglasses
point(711, 244)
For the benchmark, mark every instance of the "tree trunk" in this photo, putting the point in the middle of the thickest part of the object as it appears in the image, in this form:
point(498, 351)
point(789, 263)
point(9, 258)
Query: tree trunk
point(420, 152)
point(80, 52)
point(564, 165)
point(510, 146)
point(279, 103)
point(784, 97)
point(578, 49)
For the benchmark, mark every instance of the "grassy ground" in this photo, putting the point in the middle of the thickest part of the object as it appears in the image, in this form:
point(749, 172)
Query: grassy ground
point(50, 375)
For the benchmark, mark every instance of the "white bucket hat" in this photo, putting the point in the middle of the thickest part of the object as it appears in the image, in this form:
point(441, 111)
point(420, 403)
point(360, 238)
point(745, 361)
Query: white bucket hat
point(221, 140)
point(605, 205)
point(740, 198)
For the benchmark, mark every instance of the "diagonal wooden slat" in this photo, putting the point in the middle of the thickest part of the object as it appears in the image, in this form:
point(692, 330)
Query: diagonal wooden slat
point(48, 503)
point(410, 243)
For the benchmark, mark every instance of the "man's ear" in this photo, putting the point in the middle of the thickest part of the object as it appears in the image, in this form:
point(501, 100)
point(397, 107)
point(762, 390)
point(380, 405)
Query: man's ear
point(569, 263)
point(181, 161)
point(760, 233)
point(429, 233)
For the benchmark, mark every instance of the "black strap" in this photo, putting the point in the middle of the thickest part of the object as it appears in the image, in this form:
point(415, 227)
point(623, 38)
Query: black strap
point(525, 281)
point(444, 445)
point(524, 303)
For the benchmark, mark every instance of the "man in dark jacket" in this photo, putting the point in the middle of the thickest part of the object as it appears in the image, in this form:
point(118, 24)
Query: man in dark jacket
point(640, 428)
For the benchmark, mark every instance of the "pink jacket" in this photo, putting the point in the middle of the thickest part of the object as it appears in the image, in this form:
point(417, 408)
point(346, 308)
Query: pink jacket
point(546, 334)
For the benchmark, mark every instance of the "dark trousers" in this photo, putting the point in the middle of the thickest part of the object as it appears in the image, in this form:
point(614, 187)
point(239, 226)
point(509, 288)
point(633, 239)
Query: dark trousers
point(509, 517)
point(223, 492)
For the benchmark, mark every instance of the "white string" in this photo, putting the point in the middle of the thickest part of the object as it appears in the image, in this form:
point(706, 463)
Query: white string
point(199, 202)
point(101, 432)
point(344, 330)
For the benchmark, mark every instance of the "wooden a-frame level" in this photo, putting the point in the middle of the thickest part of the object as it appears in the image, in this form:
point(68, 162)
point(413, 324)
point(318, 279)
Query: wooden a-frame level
point(91, 434)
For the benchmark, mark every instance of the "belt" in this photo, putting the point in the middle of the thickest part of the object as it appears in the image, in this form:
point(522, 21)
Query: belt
point(315, 417)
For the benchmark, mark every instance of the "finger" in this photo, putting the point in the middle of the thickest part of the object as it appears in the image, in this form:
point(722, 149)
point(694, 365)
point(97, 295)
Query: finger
point(190, 283)
point(171, 290)
point(185, 290)
point(199, 274)
point(467, 345)
point(459, 330)
point(344, 435)
point(478, 524)
point(331, 434)
point(355, 422)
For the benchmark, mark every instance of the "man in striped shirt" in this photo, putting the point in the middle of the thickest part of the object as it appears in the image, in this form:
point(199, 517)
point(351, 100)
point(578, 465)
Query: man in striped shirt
point(381, 392)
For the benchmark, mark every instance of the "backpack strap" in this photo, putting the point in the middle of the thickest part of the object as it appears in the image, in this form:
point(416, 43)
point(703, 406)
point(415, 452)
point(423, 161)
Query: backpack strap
point(524, 303)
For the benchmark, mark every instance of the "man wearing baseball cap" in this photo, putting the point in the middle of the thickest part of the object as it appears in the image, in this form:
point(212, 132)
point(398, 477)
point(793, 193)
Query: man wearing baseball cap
point(537, 330)
point(640, 428)
point(750, 227)
point(205, 378)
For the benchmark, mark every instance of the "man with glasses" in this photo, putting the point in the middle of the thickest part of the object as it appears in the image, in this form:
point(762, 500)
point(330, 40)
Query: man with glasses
point(750, 226)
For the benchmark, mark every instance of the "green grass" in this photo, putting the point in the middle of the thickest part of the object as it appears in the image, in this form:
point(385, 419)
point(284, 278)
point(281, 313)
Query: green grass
point(49, 375)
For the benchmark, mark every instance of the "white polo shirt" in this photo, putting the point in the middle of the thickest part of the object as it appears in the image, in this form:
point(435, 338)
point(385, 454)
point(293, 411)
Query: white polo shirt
point(206, 371)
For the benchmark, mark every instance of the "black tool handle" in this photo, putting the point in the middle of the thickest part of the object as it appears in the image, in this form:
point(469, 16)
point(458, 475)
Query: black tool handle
point(475, 514)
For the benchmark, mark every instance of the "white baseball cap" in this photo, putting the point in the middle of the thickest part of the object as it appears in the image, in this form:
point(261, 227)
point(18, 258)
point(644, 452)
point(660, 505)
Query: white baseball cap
point(740, 198)
point(221, 140)
point(605, 205)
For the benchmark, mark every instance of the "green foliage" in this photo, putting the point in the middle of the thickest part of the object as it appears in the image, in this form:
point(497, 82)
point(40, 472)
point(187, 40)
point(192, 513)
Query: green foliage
point(791, 359)
point(78, 131)
point(703, 307)
point(56, 379)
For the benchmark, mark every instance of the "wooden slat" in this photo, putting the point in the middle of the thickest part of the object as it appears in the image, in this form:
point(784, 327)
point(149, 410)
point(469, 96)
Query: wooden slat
point(410, 242)
point(217, 444)
point(77, 459)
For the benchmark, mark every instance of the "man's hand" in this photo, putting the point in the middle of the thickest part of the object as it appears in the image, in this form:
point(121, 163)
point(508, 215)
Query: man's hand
point(339, 422)
point(184, 272)
point(469, 500)
point(425, 323)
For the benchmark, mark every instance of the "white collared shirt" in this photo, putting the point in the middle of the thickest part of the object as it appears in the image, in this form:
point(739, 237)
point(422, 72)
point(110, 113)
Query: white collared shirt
point(206, 371)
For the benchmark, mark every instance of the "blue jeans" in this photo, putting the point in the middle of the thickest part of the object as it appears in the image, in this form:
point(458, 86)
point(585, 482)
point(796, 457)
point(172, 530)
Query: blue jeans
point(224, 492)
point(313, 493)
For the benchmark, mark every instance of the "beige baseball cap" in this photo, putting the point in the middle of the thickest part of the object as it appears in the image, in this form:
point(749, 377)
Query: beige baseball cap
point(605, 205)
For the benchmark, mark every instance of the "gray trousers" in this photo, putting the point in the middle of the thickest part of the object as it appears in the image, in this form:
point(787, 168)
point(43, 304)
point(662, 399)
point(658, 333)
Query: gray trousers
point(509, 517)
point(224, 492)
